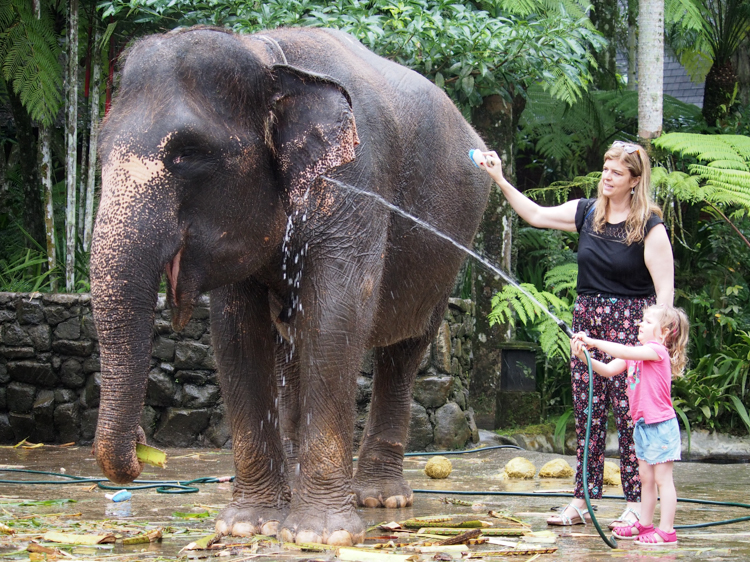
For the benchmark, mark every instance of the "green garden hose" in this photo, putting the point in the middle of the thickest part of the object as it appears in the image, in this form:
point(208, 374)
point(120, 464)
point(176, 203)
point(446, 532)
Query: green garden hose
point(188, 486)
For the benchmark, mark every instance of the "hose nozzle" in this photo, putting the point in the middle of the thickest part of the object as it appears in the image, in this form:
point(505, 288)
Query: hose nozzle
point(565, 328)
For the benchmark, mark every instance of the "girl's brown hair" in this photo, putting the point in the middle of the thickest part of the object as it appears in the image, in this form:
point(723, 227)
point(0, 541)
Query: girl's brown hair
point(635, 159)
point(676, 327)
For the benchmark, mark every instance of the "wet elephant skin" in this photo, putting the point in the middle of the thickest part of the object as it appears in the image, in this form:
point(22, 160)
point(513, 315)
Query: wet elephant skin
point(215, 158)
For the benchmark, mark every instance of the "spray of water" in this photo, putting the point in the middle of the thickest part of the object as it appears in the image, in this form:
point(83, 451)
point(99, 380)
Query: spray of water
point(427, 226)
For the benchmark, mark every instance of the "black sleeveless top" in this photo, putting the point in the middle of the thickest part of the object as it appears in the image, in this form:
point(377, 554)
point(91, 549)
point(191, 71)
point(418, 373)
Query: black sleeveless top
point(607, 266)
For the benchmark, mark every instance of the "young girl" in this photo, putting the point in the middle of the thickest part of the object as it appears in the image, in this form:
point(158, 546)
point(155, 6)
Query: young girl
point(663, 334)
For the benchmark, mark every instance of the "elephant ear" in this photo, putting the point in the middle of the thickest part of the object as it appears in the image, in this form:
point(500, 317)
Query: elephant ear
point(313, 128)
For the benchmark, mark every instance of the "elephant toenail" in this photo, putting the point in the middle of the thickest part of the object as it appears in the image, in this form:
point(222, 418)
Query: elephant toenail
point(243, 529)
point(304, 537)
point(340, 538)
point(371, 502)
point(395, 502)
point(270, 528)
point(286, 535)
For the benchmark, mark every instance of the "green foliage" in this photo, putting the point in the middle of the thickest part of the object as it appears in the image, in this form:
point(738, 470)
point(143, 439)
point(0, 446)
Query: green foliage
point(724, 165)
point(712, 394)
point(469, 52)
point(30, 54)
point(525, 303)
point(572, 139)
point(25, 272)
point(709, 32)
point(560, 427)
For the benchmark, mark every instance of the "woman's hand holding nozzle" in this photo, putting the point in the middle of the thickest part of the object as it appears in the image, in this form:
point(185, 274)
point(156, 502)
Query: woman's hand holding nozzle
point(480, 159)
point(490, 162)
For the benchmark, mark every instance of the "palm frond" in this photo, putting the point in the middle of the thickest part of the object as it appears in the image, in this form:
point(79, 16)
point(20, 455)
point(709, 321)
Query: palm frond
point(683, 13)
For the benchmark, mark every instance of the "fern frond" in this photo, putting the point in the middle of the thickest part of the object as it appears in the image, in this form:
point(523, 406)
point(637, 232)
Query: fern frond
point(527, 304)
point(560, 190)
point(707, 148)
point(682, 186)
point(30, 61)
point(563, 87)
point(524, 8)
point(562, 278)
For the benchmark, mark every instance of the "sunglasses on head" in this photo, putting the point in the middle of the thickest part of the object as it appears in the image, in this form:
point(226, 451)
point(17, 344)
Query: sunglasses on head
point(628, 147)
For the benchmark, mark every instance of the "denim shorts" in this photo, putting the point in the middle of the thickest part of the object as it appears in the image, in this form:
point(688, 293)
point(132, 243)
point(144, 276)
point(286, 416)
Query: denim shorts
point(657, 443)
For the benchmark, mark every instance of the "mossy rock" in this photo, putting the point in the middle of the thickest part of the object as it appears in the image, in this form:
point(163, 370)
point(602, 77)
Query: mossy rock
point(520, 467)
point(556, 468)
point(612, 474)
point(438, 467)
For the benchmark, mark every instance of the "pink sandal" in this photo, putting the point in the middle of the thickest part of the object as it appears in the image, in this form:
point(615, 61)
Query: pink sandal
point(651, 539)
point(626, 532)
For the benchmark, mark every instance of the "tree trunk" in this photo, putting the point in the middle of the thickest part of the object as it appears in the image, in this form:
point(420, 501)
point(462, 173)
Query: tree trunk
point(603, 16)
point(94, 138)
point(497, 122)
point(45, 170)
point(71, 144)
point(718, 90)
point(650, 69)
point(632, 44)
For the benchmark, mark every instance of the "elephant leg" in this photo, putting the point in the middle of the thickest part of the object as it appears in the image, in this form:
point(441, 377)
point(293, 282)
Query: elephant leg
point(287, 382)
point(330, 342)
point(244, 345)
point(379, 479)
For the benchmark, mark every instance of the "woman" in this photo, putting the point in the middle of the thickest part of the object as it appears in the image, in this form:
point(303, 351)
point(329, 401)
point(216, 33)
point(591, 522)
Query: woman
point(625, 264)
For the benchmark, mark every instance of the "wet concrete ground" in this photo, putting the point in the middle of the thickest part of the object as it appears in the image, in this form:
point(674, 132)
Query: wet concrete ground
point(92, 513)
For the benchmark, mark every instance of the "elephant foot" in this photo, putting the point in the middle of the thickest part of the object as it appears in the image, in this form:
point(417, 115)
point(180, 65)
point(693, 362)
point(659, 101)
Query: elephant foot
point(242, 520)
point(393, 493)
point(312, 525)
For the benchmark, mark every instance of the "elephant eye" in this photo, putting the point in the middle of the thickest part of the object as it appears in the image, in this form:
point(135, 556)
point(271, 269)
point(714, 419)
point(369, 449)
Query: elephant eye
point(190, 162)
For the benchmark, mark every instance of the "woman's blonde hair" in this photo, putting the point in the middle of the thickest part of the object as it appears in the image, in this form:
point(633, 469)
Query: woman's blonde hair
point(635, 159)
point(675, 325)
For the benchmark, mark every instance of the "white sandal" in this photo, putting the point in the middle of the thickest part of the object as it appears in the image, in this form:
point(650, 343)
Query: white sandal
point(564, 521)
point(623, 521)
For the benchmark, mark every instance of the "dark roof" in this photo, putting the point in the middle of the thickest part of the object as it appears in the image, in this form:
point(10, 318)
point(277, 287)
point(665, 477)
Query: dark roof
point(677, 83)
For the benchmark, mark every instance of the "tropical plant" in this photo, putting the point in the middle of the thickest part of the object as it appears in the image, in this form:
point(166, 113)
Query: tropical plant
point(568, 140)
point(723, 165)
point(30, 55)
point(470, 50)
point(712, 394)
point(706, 50)
point(547, 264)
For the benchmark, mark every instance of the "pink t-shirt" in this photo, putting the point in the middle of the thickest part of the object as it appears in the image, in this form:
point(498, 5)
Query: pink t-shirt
point(650, 387)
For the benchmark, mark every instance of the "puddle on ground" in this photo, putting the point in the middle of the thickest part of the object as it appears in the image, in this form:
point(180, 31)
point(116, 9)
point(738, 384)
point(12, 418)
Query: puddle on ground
point(39, 507)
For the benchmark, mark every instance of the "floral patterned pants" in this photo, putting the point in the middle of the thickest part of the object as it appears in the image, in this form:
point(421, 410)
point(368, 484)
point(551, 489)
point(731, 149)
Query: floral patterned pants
point(611, 319)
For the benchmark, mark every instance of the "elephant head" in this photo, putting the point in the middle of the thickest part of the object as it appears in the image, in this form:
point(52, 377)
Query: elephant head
point(208, 148)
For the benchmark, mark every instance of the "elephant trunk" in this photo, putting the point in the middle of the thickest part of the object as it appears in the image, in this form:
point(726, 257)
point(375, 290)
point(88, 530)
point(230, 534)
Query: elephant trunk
point(132, 242)
point(125, 332)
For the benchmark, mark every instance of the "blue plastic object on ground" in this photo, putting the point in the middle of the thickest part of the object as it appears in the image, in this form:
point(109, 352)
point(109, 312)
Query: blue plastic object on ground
point(121, 496)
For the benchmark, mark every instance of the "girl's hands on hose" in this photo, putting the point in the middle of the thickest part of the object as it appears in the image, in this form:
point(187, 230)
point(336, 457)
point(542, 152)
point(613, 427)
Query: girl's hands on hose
point(580, 342)
point(576, 348)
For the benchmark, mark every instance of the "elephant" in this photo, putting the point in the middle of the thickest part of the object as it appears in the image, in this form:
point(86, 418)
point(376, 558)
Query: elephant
point(260, 168)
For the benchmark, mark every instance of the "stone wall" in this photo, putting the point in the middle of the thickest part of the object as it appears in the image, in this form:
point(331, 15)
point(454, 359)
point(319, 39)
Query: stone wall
point(50, 380)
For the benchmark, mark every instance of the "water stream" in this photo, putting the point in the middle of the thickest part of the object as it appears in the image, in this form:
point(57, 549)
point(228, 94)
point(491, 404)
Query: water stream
point(427, 226)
